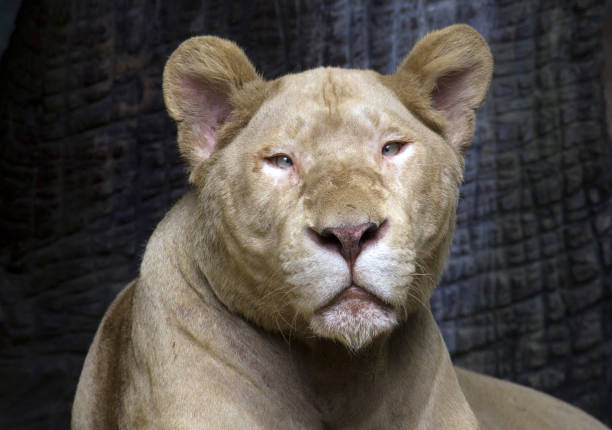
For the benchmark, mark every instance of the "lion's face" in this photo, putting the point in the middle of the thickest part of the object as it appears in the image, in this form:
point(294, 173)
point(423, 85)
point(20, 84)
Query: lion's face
point(334, 153)
point(328, 210)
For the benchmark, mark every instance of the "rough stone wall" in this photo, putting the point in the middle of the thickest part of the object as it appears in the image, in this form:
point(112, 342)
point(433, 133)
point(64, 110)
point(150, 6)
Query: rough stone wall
point(527, 294)
point(89, 166)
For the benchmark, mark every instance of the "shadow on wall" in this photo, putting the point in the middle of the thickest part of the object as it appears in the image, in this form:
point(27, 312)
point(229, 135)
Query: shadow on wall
point(8, 13)
point(607, 30)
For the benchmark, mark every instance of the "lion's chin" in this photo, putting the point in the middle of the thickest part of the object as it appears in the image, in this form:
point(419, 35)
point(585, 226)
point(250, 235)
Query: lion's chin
point(355, 318)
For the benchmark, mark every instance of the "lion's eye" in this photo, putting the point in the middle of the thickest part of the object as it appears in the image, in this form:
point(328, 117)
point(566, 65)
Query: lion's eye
point(281, 161)
point(391, 148)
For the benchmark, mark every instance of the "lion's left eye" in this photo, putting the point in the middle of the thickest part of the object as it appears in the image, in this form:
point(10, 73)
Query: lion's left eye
point(391, 148)
point(281, 161)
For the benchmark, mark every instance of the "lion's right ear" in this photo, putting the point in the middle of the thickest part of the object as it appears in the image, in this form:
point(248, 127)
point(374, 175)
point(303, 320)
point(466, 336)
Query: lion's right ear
point(199, 80)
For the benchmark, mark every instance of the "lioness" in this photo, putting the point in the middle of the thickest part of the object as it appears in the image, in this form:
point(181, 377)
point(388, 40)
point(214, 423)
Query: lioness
point(289, 289)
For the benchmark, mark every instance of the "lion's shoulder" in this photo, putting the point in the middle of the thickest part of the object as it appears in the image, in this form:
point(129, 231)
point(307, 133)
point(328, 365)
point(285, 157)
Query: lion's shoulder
point(97, 401)
point(504, 405)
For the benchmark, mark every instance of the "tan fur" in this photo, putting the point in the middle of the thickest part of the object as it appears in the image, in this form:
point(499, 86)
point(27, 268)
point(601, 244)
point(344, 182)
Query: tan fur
point(238, 318)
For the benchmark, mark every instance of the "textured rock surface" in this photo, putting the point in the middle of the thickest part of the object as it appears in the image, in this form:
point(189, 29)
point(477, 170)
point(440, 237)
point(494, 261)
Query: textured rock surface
point(89, 166)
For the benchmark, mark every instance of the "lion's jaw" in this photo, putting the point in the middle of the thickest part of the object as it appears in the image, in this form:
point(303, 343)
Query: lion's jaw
point(332, 123)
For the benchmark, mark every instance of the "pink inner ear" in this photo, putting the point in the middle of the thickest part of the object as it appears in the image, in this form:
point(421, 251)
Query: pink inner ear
point(209, 108)
point(213, 117)
point(449, 91)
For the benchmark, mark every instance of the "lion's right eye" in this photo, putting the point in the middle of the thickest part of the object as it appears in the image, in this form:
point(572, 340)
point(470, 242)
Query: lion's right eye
point(281, 161)
point(392, 148)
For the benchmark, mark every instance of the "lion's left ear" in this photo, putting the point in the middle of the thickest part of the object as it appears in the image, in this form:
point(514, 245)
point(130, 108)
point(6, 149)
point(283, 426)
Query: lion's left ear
point(444, 80)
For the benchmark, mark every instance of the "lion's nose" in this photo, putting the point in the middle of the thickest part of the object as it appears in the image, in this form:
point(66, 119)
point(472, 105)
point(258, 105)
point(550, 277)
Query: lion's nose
point(348, 240)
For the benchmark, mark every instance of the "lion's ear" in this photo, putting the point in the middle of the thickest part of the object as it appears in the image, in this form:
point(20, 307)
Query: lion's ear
point(450, 71)
point(199, 80)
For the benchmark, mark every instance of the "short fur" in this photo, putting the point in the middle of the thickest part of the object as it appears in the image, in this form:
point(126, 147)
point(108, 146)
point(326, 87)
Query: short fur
point(242, 315)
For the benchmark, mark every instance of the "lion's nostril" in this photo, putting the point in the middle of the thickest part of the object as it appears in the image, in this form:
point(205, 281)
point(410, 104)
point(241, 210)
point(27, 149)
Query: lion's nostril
point(327, 237)
point(347, 240)
point(368, 235)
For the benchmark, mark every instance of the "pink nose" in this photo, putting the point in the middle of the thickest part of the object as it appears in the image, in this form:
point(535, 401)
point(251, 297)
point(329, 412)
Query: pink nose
point(348, 240)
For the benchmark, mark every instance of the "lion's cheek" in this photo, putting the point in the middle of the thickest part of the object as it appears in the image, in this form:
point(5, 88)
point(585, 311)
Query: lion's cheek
point(438, 213)
point(430, 205)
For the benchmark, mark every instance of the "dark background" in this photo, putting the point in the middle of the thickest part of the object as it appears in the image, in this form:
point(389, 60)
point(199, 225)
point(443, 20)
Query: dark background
point(89, 165)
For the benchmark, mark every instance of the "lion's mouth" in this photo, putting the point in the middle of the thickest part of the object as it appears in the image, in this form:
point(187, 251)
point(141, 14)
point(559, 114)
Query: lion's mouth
point(355, 299)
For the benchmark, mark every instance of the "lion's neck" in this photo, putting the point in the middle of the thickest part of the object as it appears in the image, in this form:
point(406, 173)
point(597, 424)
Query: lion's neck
point(410, 368)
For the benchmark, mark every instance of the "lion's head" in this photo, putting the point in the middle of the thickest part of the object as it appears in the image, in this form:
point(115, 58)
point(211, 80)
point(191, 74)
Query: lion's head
point(327, 197)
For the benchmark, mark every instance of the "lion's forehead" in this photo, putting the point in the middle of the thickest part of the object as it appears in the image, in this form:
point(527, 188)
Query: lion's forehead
point(314, 106)
point(329, 85)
